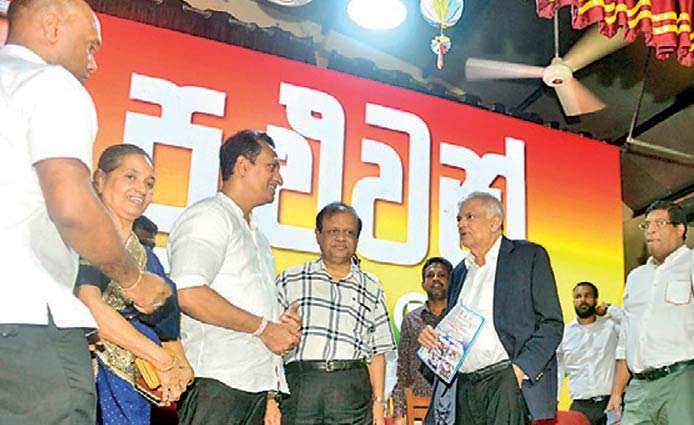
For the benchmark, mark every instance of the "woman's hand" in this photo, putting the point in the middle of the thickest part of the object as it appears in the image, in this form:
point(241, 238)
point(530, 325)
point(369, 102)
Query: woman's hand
point(171, 386)
point(186, 375)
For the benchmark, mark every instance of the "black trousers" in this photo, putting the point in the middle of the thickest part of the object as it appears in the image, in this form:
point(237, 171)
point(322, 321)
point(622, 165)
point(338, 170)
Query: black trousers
point(490, 399)
point(46, 377)
point(594, 410)
point(334, 398)
point(210, 402)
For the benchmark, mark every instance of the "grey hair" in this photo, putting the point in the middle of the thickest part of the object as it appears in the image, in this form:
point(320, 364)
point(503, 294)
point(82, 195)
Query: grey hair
point(491, 203)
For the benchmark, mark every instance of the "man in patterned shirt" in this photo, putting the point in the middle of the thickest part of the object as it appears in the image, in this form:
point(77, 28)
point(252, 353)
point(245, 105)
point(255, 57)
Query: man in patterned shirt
point(336, 373)
point(435, 274)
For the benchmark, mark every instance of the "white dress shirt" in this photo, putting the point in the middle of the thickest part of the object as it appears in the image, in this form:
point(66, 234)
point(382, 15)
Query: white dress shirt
point(587, 355)
point(45, 113)
point(658, 325)
point(212, 244)
point(477, 294)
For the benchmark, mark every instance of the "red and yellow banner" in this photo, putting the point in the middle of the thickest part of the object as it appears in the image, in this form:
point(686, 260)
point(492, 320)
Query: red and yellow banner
point(402, 158)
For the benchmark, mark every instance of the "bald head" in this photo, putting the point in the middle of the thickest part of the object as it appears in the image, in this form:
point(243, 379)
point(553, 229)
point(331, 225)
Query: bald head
point(62, 32)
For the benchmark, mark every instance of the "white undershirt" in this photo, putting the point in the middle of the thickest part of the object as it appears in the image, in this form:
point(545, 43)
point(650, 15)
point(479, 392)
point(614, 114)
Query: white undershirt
point(477, 294)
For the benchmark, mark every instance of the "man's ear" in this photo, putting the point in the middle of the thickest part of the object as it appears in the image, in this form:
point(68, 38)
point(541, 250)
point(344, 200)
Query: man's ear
point(50, 24)
point(680, 230)
point(496, 223)
point(241, 166)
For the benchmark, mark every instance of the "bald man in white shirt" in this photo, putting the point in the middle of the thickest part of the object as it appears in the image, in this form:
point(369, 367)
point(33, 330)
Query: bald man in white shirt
point(50, 214)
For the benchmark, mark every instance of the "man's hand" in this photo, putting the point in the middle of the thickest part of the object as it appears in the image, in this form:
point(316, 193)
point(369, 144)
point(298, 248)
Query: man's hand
point(292, 317)
point(615, 405)
point(601, 309)
point(520, 375)
point(379, 412)
point(150, 293)
point(427, 338)
point(273, 416)
point(398, 420)
point(280, 338)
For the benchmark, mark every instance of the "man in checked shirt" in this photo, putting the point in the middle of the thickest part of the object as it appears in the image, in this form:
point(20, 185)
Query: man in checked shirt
point(336, 373)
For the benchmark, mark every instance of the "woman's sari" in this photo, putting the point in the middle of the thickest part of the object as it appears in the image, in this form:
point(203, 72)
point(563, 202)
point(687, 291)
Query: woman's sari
point(118, 401)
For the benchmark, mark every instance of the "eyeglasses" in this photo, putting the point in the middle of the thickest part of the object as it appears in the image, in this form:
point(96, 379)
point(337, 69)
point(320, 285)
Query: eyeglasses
point(659, 224)
point(348, 233)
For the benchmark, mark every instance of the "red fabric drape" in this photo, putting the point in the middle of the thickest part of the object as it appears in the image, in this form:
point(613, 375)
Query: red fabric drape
point(666, 24)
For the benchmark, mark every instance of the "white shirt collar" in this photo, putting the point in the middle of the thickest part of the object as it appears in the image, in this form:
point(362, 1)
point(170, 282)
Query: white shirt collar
point(236, 210)
point(23, 53)
point(489, 257)
point(670, 258)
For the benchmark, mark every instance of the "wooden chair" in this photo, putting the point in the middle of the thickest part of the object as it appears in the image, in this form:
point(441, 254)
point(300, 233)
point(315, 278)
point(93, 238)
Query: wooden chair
point(417, 406)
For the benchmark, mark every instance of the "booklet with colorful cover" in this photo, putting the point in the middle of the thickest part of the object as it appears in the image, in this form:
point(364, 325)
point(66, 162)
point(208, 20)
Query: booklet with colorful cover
point(457, 332)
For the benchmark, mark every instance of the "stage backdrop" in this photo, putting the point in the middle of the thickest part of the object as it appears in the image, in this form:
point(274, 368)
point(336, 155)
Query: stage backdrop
point(402, 159)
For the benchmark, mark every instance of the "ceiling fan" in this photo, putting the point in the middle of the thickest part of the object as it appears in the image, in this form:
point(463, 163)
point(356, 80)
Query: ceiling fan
point(574, 97)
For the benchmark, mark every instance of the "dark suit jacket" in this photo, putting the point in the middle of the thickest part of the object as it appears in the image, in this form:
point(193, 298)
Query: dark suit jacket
point(527, 318)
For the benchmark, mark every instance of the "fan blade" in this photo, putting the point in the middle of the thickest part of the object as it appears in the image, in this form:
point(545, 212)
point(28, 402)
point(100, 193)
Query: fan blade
point(591, 47)
point(576, 99)
point(482, 69)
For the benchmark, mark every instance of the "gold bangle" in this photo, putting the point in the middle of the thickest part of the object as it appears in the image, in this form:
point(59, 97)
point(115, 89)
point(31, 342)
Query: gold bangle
point(174, 361)
point(137, 282)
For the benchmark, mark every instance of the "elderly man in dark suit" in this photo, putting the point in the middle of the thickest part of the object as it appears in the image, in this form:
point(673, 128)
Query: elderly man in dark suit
point(509, 374)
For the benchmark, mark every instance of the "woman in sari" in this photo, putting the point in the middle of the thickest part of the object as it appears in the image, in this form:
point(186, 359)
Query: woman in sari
point(124, 181)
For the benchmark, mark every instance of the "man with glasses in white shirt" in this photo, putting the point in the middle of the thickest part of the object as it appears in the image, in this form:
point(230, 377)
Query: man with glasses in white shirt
point(232, 329)
point(587, 353)
point(656, 342)
point(50, 214)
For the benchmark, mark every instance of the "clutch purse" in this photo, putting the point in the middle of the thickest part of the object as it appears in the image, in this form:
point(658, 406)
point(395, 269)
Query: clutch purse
point(148, 373)
point(147, 381)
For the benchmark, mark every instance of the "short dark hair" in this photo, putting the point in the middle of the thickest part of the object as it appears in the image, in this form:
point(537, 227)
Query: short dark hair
point(145, 224)
point(111, 157)
point(590, 285)
point(675, 212)
point(246, 143)
point(333, 208)
point(437, 260)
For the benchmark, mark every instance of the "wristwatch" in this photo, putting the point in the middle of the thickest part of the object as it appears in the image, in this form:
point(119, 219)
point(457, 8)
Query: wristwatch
point(275, 395)
point(380, 400)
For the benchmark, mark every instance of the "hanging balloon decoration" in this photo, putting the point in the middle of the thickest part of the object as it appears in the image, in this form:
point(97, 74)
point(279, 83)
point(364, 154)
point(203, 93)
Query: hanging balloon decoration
point(441, 14)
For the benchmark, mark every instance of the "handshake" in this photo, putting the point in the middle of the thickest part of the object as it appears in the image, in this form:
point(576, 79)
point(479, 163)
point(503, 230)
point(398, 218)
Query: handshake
point(282, 337)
